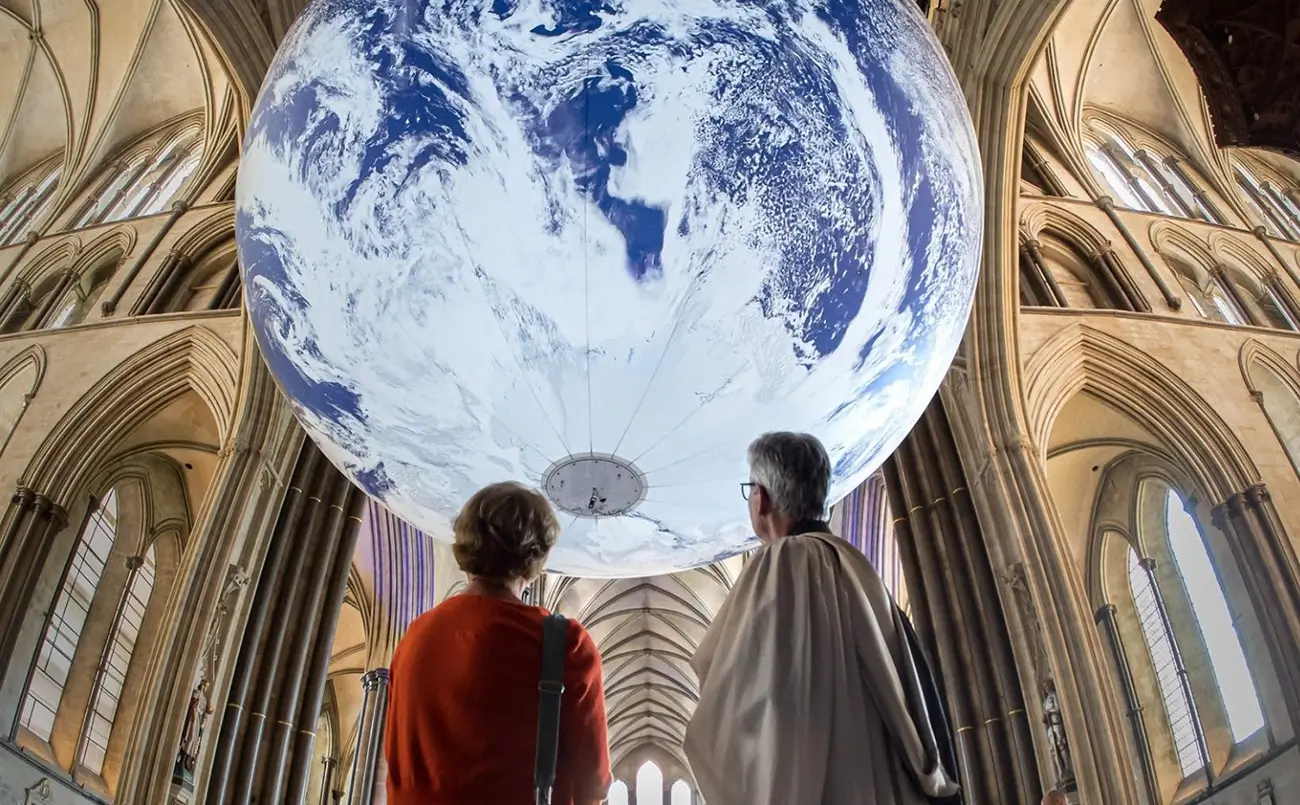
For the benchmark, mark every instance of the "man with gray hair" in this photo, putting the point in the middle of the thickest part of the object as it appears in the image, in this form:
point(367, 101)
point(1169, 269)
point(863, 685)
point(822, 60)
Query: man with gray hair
point(813, 688)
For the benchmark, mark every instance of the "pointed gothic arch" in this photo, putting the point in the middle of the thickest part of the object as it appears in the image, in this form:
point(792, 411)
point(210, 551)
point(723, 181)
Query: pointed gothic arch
point(1274, 384)
point(1081, 357)
point(191, 359)
point(20, 379)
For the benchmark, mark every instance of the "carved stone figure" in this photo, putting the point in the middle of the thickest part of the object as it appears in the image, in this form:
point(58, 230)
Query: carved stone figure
point(1018, 585)
point(196, 718)
point(1057, 741)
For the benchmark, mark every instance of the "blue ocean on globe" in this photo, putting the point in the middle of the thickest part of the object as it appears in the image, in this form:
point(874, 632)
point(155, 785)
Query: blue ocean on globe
point(599, 247)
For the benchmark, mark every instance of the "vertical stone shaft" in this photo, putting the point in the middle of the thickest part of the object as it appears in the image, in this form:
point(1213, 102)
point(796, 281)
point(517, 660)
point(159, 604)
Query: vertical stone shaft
point(370, 736)
point(1269, 569)
point(321, 545)
point(275, 654)
point(322, 633)
point(956, 604)
point(28, 532)
point(235, 718)
point(1105, 616)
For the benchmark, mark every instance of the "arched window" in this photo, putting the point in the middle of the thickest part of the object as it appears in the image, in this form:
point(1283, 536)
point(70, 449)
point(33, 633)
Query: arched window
point(110, 677)
point(1142, 180)
point(145, 183)
point(649, 784)
point(28, 200)
point(80, 298)
point(1282, 407)
point(1164, 659)
point(680, 794)
point(1275, 208)
point(618, 793)
point(1206, 625)
point(1213, 617)
point(68, 617)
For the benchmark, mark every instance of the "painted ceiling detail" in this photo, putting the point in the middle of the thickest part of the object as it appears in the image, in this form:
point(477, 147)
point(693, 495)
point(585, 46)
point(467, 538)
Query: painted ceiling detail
point(1247, 57)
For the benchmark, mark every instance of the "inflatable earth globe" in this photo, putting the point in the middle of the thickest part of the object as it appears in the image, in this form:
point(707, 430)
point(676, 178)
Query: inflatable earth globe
point(599, 247)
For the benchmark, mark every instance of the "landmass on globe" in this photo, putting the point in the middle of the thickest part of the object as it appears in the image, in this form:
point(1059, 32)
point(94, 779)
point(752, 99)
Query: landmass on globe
point(599, 247)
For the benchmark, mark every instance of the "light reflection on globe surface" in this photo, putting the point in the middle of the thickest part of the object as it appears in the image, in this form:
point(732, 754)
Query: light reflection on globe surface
point(599, 247)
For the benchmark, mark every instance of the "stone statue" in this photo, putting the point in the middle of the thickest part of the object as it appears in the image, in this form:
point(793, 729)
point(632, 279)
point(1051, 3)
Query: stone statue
point(1059, 744)
point(200, 708)
point(196, 718)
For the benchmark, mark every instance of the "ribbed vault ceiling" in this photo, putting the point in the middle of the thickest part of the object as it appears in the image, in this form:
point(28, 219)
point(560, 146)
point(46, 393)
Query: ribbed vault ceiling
point(83, 78)
point(647, 630)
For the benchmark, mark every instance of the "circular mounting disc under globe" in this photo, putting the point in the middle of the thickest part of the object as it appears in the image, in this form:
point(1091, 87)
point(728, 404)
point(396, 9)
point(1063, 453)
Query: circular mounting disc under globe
point(594, 485)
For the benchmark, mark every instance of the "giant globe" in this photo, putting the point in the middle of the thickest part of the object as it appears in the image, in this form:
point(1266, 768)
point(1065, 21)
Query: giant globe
point(598, 247)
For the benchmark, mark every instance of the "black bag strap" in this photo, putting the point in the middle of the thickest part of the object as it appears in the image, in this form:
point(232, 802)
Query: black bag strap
point(555, 639)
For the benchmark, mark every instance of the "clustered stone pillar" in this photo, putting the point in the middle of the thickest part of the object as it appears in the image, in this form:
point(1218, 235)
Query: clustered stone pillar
point(227, 295)
point(26, 535)
point(1269, 569)
point(370, 736)
point(955, 603)
point(166, 280)
point(1105, 617)
point(264, 749)
point(1039, 286)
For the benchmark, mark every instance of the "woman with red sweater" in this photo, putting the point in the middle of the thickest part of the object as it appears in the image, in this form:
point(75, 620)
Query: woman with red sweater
point(462, 707)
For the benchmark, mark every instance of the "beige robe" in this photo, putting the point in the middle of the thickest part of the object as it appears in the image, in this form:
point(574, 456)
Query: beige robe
point(807, 693)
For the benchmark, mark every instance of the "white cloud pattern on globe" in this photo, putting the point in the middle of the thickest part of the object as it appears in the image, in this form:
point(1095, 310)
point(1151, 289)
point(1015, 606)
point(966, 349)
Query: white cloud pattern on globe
point(598, 247)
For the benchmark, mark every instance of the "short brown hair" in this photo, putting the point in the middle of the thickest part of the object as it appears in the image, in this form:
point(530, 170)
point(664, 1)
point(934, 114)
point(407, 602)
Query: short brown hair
point(504, 531)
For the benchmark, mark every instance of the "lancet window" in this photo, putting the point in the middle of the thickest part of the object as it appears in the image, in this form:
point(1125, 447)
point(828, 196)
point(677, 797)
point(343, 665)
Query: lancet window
point(28, 200)
point(68, 618)
point(1184, 665)
point(649, 784)
point(110, 676)
point(1141, 179)
point(144, 182)
point(1276, 207)
point(93, 630)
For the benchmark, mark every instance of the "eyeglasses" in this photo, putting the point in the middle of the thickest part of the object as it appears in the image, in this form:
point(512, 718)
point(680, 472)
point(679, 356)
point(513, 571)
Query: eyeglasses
point(747, 489)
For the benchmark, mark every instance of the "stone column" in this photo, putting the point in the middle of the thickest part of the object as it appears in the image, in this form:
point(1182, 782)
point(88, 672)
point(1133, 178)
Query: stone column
point(370, 736)
point(1286, 299)
point(1105, 617)
point(268, 722)
point(109, 305)
point(955, 603)
point(1047, 286)
point(1262, 234)
point(227, 295)
point(1171, 299)
point(53, 298)
point(26, 536)
point(1270, 574)
point(327, 779)
point(1234, 293)
point(163, 285)
point(1176, 165)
